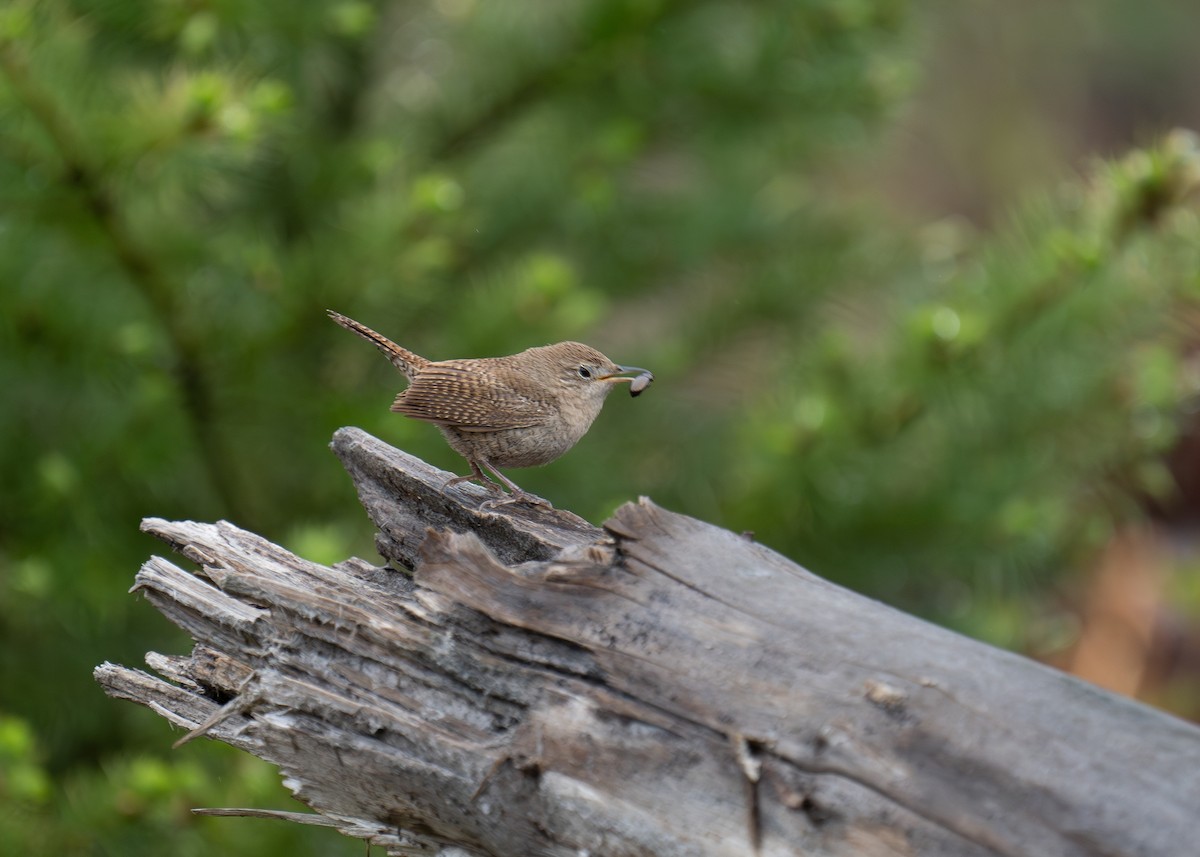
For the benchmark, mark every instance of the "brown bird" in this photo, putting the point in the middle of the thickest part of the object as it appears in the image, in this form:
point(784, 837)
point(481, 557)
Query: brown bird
point(522, 410)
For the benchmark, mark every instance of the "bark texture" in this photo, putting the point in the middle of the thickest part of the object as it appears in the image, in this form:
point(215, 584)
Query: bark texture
point(518, 682)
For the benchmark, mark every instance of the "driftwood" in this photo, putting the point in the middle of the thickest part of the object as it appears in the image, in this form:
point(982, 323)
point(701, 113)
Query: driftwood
point(519, 682)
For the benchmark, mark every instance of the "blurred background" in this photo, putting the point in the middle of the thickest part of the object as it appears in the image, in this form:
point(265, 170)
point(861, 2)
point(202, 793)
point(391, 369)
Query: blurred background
point(918, 281)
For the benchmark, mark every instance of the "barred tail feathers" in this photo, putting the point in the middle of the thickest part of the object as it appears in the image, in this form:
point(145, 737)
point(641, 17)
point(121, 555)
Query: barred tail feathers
point(403, 359)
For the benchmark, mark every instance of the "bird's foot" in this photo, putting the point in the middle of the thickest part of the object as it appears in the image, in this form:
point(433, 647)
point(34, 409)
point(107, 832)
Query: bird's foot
point(516, 493)
point(491, 486)
point(516, 497)
point(474, 477)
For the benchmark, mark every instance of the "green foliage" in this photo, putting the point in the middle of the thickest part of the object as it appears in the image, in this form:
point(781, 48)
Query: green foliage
point(141, 803)
point(941, 420)
point(992, 421)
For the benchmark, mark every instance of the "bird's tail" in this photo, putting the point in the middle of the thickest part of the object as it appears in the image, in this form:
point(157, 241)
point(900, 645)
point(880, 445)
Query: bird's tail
point(403, 359)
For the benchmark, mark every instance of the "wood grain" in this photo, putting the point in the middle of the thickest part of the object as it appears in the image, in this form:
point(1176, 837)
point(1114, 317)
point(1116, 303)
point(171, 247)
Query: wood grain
point(518, 682)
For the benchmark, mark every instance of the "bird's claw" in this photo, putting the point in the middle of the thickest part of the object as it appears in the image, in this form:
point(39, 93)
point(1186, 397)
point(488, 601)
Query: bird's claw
point(517, 495)
point(522, 497)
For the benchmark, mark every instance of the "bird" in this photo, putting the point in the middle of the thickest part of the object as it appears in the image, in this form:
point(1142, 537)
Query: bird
point(522, 410)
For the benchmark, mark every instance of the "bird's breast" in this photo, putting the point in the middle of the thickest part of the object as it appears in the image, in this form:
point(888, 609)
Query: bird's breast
point(519, 447)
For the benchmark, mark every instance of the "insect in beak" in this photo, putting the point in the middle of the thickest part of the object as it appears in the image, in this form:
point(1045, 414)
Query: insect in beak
point(637, 384)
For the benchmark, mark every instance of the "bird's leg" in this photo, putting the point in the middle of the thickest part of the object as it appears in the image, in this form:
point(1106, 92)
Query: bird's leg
point(476, 475)
point(516, 495)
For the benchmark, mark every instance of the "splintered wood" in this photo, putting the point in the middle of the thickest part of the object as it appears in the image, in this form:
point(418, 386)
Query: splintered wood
point(519, 682)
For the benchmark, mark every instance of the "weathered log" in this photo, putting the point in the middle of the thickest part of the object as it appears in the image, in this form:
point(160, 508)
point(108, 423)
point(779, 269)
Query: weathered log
point(518, 682)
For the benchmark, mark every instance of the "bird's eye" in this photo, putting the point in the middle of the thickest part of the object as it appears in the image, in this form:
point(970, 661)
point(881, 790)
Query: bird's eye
point(585, 372)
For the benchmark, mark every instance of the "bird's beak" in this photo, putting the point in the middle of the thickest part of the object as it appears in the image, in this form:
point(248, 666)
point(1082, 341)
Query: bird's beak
point(640, 378)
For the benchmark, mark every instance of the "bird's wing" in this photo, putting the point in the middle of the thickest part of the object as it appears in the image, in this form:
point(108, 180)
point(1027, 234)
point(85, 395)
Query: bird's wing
point(455, 393)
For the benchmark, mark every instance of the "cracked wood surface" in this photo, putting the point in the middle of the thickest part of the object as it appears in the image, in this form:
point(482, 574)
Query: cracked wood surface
point(518, 682)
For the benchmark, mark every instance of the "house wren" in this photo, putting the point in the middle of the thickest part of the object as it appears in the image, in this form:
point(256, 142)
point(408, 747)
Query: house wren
point(518, 411)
